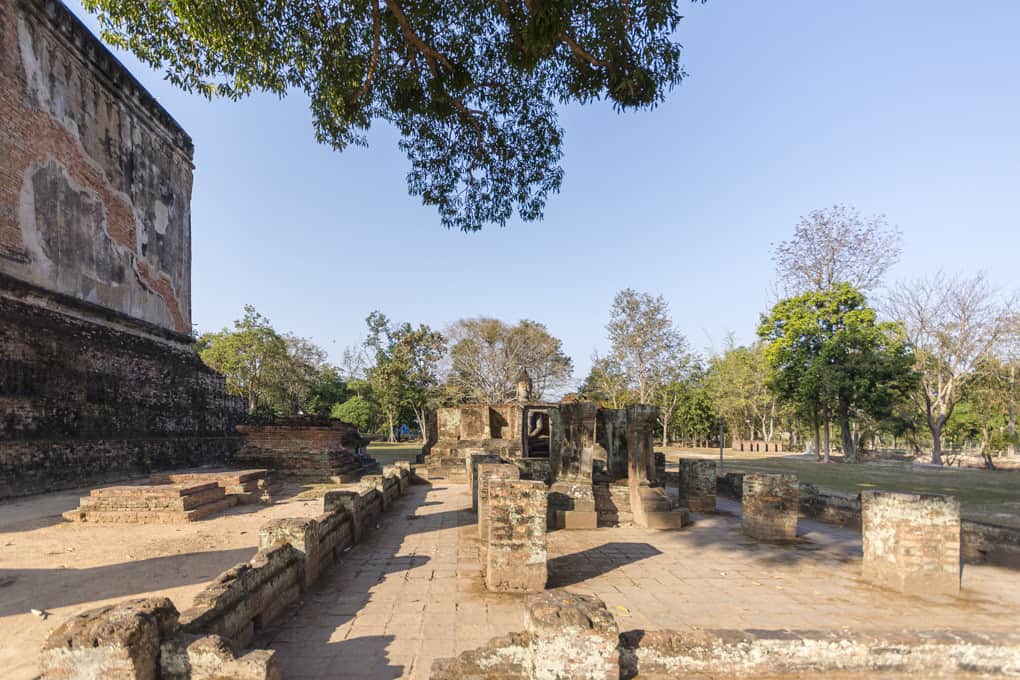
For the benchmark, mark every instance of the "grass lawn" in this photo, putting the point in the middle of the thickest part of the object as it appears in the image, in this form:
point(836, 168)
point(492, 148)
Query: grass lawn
point(984, 495)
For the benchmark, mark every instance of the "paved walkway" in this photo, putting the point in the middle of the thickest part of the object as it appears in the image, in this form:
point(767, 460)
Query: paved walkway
point(413, 590)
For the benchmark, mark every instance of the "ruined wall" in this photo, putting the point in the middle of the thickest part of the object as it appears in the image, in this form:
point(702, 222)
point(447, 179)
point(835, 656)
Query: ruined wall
point(305, 448)
point(99, 379)
point(95, 185)
point(84, 403)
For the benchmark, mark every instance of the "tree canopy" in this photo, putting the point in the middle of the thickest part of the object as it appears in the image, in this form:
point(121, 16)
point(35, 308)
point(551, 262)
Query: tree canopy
point(274, 372)
point(487, 356)
point(471, 86)
point(828, 355)
point(836, 245)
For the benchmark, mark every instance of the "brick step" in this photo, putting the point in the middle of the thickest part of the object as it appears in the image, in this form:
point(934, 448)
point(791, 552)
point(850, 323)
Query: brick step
point(136, 516)
point(162, 490)
point(152, 501)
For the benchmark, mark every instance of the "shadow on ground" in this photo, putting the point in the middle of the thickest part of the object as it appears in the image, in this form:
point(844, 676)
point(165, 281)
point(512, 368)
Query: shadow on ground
point(568, 570)
point(51, 588)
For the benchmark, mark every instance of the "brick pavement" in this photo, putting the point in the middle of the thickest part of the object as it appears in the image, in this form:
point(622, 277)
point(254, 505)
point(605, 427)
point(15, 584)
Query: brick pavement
point(413, 590)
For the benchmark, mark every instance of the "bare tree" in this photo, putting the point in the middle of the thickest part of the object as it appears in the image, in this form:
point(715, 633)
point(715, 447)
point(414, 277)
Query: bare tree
point(951, 323)
point(644, 342)
point(487, 355)
point(836, 245)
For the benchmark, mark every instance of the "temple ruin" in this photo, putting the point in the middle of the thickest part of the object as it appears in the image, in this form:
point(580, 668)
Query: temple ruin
point(531, 540)
point(597, 462)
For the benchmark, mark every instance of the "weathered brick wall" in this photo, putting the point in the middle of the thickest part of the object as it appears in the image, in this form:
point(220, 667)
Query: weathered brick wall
point(612, 503)
point(698, 484)
point(516, 555)
point(471, 463)
point(574, 637)
point(815, 653)
point(770, 506)
point(305, 448)
point(98, 378)
point(86, 403)
point(911, 541)
point(95, 184)
point(487, 473)
point(142, 640)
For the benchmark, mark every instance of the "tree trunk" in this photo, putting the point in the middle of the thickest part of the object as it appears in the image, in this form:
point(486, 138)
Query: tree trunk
point(420, 416)
point(936, 442)
point(818, 439)
point(389, 417)
point(1012, 409)
point(847, 438)
point(826, 438)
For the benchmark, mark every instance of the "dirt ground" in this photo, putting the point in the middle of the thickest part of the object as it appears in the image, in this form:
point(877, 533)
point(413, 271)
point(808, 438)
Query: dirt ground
point(63, 568)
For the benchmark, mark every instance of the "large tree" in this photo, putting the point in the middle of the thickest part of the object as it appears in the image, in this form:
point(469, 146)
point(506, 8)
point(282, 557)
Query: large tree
point(836, 245)
point(250, 357)
point(404, 375)
point(276, 373)
point(952, 322)
point(829, 357)
point(487, 356)
point(606, 383)
point(418, 352)
point(737, 383)
point(472, 87)
point(644, 343)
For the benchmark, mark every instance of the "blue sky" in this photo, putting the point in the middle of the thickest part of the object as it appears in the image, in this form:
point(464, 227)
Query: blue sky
point(908, 108)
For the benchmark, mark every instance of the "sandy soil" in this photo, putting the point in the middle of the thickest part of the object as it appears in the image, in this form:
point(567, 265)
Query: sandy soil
point(64, 568)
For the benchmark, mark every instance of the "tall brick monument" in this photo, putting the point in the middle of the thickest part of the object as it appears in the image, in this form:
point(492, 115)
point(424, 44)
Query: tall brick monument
point(98, 375)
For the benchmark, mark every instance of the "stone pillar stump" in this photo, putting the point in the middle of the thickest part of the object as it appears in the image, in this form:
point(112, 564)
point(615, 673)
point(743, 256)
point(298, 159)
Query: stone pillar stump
point(516, 559)
point(697, 484)
point(911, 541)
point(486, 473)
point(770, 505)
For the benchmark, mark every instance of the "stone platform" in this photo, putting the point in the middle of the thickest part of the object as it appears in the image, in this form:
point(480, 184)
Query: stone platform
point(248, 486)
point(152, 504)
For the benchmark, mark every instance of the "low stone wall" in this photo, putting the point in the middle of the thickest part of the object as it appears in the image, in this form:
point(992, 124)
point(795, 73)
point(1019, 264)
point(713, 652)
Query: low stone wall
point(149, 639)
point(142, 640)
point(981, 542)
point(574, 637)
point(784, 653)
point(248, 596)
point(696, 484)
point(568, 636)
point(487, 472)
point(991, 543)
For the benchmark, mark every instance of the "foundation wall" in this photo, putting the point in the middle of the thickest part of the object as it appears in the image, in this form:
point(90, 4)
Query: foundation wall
point(981, 542)
point(148, 639)
point(487, 474)
point(87, 403)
